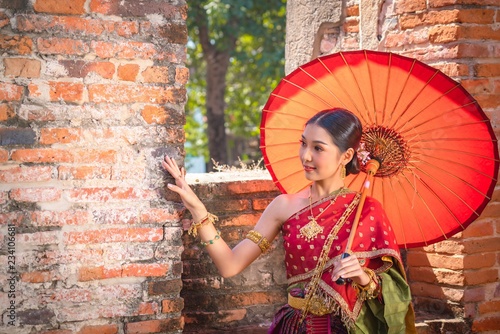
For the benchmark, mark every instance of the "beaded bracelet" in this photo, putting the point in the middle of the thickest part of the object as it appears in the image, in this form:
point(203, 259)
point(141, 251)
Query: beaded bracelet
point(209, 218)
point(211, 241)
point(259, 239)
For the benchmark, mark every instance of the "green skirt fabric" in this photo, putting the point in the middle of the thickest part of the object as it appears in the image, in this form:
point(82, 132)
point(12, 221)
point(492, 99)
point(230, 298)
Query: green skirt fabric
point(394, 315)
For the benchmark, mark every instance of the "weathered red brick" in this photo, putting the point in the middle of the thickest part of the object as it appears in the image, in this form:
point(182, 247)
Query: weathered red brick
point(22, 67)
point(114, 235)
point(475, 294)
point(57, 91)
point(18, 174)
point(86, 274)
point(158, 215)
point(166, 287)
point(351, 25)
point(490, 322)
point(39, 238)
point(84, 156)
point(453, 69)
point(126, 28)
point(82, 68)
point(171, 32)
point(65, 46)
point(132, 8)
point(144, 269)
point(99, 329)
point(57, 331)
point(473, 50)
point(487, 70)
point(59, 7)
point(154, 114)
point(436, 291)
point(50, 136)
point(10, 92)
point(181, 75)
point(41, 155)
point(352, 10)
point(6, 111)
point(12, 217)
point(16, 44)
point(491, 306)
point(38, 276)
point(172, 305)
point(84, 173)
point(4, 20)
point(445, 34)
point(410, 6)
point(60, 218)
point(241, 220)
point(482, 245)
point(156, 74)
point(100, 93)
point(124, 50)
point(146, 308)
point(35, 194)
point(444, 3)
point(479, 229)
point(489, 101)
point(4, 155)
point(107, 194)
point(128, 72)
point(482, 276)
point(77, 295)
point(153, 326)
point(260, 204)
point(436, 276)
point(478, 86)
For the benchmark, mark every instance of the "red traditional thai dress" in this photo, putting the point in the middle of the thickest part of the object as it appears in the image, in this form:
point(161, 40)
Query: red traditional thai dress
point(376, 248)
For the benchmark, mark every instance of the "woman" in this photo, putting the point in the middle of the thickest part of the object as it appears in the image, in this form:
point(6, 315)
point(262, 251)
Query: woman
point(315, 224)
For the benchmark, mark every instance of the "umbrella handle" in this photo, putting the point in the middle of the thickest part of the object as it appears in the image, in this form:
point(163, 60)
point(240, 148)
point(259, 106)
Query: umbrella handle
point(371, 168)
point(341, 280)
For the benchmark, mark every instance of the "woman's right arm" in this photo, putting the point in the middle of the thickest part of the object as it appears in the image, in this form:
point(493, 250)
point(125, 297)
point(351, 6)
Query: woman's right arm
point(229, 261)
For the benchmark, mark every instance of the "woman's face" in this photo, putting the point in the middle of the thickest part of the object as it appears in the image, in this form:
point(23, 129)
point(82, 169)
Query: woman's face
point(319, 155)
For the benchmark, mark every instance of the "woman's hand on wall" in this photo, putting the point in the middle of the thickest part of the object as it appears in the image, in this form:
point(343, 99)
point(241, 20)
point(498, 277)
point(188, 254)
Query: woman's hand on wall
point(181, 187)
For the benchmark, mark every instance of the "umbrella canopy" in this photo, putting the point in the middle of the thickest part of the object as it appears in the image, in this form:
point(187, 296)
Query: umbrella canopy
point(438, 151)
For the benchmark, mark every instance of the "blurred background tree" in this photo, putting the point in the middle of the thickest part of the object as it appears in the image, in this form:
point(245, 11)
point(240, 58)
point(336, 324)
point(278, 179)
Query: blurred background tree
point(236, 58)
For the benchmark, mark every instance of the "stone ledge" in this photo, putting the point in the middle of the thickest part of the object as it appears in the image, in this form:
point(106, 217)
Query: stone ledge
point(230, 176)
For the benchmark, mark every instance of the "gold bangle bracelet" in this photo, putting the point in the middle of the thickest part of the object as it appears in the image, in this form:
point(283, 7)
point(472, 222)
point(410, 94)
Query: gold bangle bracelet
point(259, 240)
point(209, 218)
point(370, 290)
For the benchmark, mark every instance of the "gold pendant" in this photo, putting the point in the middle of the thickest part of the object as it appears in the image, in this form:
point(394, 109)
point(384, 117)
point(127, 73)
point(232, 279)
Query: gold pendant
point(311, 229)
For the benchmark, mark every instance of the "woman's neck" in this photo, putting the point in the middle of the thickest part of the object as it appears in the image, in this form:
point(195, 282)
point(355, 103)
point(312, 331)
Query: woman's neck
point(320, 189)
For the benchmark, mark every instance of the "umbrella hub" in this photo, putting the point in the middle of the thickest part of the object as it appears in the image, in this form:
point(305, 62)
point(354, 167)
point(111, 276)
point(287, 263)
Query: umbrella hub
point(388, 147)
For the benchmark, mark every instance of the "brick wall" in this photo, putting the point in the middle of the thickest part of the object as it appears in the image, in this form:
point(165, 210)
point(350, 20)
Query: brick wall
point(458, 278)
point(92, 94)
point(214, 304)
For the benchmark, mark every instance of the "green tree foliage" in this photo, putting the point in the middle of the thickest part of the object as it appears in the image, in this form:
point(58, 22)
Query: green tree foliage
point(236, 58)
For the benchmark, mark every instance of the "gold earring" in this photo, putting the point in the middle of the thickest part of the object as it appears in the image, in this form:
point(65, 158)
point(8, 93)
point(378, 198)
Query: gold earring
point(342, 172)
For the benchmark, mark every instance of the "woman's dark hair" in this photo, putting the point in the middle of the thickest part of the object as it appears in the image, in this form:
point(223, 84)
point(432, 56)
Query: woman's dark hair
point(345, 129)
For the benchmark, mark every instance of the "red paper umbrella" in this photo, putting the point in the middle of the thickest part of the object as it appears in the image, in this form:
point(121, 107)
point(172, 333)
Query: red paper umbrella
point(438, 151)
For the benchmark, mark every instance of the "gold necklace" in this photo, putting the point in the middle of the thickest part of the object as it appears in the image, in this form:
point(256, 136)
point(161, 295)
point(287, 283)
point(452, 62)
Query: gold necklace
point(311, 230)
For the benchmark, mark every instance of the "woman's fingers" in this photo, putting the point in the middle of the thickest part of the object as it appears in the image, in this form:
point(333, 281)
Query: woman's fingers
point(347, 268)
point(171, 166)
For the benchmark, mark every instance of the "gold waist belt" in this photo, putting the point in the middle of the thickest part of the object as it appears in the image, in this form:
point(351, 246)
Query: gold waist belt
point(318, 306)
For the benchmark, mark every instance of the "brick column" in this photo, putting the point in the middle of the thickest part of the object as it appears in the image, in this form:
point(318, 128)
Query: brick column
point(457, 278)
point(92, 95)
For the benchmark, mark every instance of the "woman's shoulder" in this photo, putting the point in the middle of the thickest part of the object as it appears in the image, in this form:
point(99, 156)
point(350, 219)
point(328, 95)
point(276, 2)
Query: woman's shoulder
point(287, 204)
